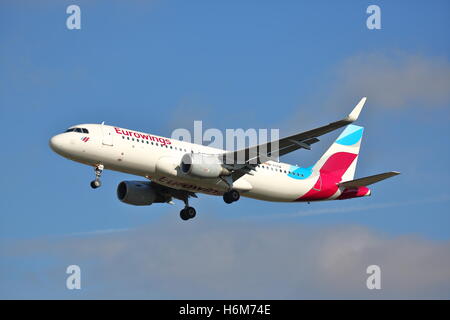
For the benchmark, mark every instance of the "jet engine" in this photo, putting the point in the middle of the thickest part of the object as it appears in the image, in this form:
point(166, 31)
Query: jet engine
point(202, 166)
point(138, 193)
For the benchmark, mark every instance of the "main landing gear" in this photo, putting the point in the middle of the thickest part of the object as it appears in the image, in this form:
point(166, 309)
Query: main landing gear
point(98, 173)
point(231, 196)
point(188, 212)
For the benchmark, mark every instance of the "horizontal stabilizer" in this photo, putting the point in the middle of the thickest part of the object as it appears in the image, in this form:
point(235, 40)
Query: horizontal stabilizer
point(363, 182)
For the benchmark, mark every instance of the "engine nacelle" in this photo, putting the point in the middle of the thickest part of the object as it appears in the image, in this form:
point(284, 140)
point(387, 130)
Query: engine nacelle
point(202, 166)
point(138, 193)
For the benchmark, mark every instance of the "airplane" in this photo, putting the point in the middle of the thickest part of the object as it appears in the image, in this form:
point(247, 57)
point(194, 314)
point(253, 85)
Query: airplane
point(180, 170)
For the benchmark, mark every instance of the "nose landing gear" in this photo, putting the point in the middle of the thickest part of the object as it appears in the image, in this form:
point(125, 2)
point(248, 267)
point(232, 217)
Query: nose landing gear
point(231, 196)
point(98, 172)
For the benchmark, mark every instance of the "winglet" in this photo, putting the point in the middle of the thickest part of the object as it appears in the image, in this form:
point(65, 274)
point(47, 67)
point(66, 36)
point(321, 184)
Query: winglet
point(353, 116)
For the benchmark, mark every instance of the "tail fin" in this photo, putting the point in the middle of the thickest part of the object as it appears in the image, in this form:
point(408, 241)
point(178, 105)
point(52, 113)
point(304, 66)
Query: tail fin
point(340, 159)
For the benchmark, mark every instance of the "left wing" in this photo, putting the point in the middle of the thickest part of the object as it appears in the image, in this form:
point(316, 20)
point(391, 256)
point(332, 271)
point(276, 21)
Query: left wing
point(243, 161)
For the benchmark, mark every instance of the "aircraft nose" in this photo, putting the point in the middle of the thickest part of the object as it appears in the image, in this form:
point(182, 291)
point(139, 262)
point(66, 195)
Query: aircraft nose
point(56, 143)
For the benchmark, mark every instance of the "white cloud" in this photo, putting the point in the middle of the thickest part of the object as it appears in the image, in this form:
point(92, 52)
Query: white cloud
point(395, 80)
point(216, 259)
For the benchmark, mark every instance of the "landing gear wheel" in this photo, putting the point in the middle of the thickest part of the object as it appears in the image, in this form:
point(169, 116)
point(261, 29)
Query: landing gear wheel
point(190, 212)
point(231, 196)
point(226, 198)
point(95, 184)
point(187, 213)
point(184, 215)
point(234, 195)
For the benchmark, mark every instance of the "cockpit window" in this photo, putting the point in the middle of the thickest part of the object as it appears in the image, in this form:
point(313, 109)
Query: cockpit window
point(80, 130)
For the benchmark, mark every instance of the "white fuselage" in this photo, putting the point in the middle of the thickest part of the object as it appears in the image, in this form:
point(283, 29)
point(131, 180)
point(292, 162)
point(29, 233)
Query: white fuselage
point(158, 159)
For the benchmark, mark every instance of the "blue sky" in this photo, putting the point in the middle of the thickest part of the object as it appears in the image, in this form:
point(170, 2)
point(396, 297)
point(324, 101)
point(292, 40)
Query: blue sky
point(158, 65)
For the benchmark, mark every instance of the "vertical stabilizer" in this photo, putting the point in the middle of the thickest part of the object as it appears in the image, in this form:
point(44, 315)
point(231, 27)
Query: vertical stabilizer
point(341, 158)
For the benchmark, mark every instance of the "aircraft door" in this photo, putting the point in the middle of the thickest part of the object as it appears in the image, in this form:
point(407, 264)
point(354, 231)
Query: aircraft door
point(107, 133)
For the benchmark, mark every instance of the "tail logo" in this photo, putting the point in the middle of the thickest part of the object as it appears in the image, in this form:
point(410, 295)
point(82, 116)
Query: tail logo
point(350, 136)
point(329, 176)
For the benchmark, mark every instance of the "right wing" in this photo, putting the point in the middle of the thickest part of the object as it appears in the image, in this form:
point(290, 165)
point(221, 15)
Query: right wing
point(167, 194)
